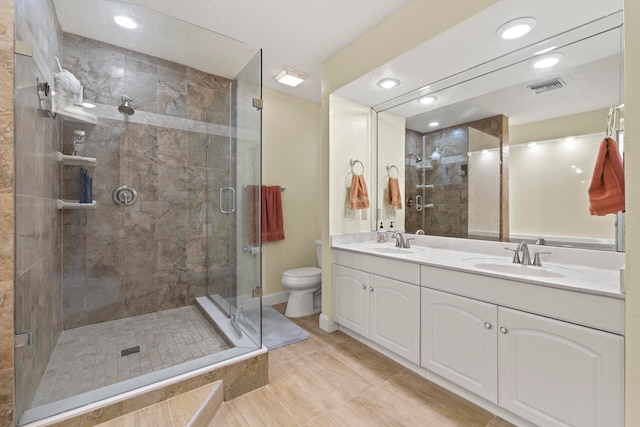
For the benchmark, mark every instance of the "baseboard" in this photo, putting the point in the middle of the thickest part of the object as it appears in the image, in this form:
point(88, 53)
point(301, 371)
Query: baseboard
point(275, 298)
point(327, 324)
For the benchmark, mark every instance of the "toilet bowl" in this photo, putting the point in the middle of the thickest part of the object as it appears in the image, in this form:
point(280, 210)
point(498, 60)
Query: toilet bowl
point(304, 288)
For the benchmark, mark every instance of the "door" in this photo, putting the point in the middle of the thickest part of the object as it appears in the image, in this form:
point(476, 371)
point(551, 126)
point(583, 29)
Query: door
point(394, 315)
point(352, 299)
point(557, 374)
point(459, 341)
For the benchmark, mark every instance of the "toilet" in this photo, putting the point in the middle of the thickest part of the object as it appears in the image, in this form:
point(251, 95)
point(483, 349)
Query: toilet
point(304, 288)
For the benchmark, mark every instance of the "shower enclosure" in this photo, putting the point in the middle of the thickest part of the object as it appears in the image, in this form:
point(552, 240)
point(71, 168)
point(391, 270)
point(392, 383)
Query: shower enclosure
point(153, 276)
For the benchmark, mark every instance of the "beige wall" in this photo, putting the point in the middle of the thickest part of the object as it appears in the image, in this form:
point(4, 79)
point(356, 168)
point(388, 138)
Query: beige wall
point(420, 20)
point(632, 238)
point(291, 136)
point(559, 127)
point(390, 149)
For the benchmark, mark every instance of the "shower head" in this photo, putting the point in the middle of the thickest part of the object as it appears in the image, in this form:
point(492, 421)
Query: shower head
point(126, 108)
point(418, 158)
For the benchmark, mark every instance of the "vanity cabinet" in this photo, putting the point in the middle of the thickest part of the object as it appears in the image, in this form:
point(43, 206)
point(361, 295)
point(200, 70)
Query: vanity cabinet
point(549, 372)
point(384, 310)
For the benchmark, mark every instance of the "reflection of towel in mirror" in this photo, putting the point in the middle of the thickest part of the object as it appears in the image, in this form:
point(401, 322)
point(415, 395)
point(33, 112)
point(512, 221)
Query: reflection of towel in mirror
point(393, 195)
point(359, 194)
point(606, 192)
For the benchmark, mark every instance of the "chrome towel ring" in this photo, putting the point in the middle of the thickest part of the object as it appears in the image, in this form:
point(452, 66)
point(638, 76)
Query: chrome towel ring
point(353, 164)
point(389, 167)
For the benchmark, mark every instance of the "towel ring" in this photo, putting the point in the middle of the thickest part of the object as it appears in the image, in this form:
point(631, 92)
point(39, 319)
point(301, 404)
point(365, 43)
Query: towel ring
point(353, 164)
point(389, 167)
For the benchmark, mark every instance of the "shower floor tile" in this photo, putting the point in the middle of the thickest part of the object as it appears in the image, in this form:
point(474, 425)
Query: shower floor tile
point(89, 357)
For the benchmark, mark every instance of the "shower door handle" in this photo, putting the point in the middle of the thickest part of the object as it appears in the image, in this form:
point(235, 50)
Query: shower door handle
point(419, 202)
point(233, 200)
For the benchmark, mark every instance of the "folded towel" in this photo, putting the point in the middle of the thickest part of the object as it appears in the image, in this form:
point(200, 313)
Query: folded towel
point(393, 195)
point(606, 192)
point(359, 194)
point(272, 218)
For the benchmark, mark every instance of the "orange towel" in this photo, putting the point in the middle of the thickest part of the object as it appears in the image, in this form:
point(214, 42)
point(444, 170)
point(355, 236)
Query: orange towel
point(393, 195)
point(272, 220)
point(359, 194)
point(606, 192)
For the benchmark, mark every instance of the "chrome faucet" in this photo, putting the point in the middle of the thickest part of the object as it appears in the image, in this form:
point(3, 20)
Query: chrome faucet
point(400, 243)
point(526, 256)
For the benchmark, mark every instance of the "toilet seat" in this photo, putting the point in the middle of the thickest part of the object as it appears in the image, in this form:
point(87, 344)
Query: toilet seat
point(302, 276)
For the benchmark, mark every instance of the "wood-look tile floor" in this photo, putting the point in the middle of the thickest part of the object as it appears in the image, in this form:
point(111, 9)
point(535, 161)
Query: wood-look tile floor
point(333, 380)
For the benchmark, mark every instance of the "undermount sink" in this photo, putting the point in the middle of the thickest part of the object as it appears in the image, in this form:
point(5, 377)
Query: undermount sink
point(394, 250)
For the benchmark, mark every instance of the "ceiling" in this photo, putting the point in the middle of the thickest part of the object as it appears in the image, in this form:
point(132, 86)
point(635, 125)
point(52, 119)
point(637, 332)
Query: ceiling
point(291, 33)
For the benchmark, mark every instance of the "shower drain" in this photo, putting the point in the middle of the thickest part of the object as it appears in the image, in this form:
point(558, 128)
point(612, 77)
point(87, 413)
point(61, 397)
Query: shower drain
point(130, 350)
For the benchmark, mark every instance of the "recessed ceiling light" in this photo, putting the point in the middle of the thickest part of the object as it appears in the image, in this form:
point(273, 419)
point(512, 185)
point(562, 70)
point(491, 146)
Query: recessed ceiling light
point(547, 61)
point(434, 124)
point(427, 99)
point(516, 28)
point(125, 21)
point(388, 83)
point(549, 49)
point(290, 77)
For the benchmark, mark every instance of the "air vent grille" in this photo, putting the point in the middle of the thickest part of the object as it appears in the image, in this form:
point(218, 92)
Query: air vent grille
point(546, 86)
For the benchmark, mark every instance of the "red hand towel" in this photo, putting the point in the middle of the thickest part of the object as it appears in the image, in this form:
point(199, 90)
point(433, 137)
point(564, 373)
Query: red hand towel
point(393, 195)
point(272, 220)
point(359, 195)
point(606, 192)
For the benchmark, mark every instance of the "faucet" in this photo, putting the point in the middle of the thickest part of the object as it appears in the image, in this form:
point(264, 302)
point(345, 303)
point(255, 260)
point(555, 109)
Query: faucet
point(541, 241)
point(400, 243)
point(420, 231)
point(526, 256)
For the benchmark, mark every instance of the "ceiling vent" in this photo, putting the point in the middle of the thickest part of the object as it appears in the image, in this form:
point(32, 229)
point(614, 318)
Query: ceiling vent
point(547, 86)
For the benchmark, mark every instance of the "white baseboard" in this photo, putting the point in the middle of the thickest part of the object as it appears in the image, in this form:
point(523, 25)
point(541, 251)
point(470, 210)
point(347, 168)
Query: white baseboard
point(275, 298)
point(327, 324)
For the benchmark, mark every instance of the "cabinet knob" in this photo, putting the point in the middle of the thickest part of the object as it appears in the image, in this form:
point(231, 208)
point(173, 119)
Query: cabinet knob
point(503, 329)
point(364, 286)
point(487, 325)
point(370, 289)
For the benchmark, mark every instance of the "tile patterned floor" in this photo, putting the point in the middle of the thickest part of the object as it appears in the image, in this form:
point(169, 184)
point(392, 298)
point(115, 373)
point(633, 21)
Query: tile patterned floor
point(89, 357)
point(333, 380)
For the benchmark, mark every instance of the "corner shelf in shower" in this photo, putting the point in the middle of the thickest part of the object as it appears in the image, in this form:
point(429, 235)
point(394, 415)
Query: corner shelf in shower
point(65, 159)
point(68, 204)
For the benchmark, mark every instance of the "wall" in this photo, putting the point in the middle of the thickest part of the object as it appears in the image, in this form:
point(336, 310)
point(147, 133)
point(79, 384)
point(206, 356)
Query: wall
point(125, 261)
point(390, 150)
point(559, 127)
point(350, 135)
point(38, 246)
point(632, 237)
point(420, 20)
point(6, 213)
point(291, 136)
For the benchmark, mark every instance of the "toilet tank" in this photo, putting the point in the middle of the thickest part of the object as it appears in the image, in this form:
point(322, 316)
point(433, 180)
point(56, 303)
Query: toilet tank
point(319, 252)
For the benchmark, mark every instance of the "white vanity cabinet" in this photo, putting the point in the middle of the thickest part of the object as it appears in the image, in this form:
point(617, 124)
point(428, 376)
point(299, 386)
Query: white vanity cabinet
point(554, 373)
point(459, 341)
point(381, 309)
point(548, 372)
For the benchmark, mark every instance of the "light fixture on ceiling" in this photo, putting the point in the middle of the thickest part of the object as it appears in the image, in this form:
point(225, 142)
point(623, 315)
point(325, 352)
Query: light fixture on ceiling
point(547, 61)
point(426, 100)
point(433, 124)
point(290, 77)
point(125, 21)
point(516, 28)
point(388, 83)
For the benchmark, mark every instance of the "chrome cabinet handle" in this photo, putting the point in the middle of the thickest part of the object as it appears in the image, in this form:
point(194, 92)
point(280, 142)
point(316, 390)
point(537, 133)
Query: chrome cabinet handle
point(370, 289)
point(233, 200)
point(487, 325)
point(364, 286)
point(503, 329)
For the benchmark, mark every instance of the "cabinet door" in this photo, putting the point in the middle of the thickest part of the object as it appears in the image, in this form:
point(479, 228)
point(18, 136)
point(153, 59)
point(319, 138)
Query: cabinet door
point(351, 299)
point(554, 373)
point(394, 309)
point(459, 341)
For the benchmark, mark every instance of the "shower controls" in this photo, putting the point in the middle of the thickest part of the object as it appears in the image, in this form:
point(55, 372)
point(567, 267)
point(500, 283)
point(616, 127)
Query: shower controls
point(125, 196)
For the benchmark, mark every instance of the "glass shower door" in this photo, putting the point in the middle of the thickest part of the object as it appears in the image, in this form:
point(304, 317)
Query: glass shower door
point(233, 244)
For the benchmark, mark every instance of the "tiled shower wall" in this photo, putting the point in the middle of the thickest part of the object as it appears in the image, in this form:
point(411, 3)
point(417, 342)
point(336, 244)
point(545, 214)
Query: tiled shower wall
point(449, 176)
point(38, 245)
point(124, 261)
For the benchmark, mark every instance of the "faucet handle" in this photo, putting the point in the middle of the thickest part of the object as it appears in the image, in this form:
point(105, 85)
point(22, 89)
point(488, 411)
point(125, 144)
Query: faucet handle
point(407, 245)
point(536, 258)
point(516, 255)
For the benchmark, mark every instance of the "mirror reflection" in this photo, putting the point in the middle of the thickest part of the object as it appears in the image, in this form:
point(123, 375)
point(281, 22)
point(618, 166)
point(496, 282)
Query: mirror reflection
point(506, 151)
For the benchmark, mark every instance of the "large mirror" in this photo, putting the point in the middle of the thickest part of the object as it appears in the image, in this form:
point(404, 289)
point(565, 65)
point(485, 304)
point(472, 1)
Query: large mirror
point(505, 150)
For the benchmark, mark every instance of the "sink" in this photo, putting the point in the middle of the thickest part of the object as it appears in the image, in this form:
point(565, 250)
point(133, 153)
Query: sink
point(394, 250)
point(528, 270)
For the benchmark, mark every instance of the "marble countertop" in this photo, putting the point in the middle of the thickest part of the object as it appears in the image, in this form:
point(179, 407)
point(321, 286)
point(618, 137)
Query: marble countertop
point(580, 278)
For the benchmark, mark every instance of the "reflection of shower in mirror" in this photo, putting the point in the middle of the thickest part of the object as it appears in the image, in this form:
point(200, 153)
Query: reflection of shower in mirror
point(435, 156)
